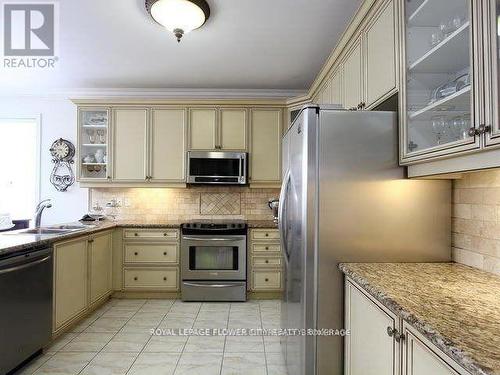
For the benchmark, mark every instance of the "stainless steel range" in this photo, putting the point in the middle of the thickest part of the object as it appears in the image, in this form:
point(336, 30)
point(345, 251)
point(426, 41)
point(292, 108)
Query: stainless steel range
point(214, 261)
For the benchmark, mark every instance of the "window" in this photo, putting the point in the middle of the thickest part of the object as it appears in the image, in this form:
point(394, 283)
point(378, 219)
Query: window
point(20, 164)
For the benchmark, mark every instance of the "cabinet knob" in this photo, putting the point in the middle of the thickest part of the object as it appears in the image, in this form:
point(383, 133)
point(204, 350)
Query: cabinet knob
point(164, 253)
point(165, 278)
point(135, 278)
point(108, 178)
point(267, 247)
point(136, 234)
point(391, 331)
point(136, 253)
point(472, 132)
point(91, 240)
point(267, 234)
point(399, 336)
point(482, 129)
point(267, 261)
point(165, 234)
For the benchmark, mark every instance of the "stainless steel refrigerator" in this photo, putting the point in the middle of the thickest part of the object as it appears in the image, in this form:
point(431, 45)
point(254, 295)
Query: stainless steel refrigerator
point(345, 199)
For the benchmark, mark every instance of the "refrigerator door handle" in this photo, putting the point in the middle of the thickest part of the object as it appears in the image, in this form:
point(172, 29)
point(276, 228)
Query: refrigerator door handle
point(281, 215)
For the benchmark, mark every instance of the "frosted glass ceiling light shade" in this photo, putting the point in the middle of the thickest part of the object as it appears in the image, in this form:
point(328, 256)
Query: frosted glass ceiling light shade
point(179, 16)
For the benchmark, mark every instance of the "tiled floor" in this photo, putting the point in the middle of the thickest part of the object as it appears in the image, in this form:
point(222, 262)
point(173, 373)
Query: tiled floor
point(116, 340)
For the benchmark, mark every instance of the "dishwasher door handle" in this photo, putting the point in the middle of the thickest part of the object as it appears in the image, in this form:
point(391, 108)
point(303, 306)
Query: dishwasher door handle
point(23, 266)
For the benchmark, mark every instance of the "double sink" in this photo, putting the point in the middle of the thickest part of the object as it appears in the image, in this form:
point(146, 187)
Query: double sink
point(55, 229)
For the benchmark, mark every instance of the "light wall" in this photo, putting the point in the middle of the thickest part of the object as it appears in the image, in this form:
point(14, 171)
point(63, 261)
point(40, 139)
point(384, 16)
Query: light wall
point(58, 120)
point(476, 220)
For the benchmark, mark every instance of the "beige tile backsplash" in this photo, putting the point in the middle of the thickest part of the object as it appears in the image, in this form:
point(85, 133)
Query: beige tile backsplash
point(476, 220)
point(164, 204)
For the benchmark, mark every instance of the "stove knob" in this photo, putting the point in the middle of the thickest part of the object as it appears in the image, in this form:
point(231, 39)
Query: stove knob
point(188, 225)
point(233, 225)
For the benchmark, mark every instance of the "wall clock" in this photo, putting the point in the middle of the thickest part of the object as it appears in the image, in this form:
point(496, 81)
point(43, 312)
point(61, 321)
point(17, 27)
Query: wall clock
point(63, 152)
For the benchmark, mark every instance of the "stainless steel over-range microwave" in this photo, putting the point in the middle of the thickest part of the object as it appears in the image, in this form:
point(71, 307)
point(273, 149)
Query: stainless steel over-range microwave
point(223, 168)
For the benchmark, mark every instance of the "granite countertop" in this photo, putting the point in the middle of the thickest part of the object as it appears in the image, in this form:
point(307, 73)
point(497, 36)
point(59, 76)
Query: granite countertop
point(11, 242)
point(456, 307)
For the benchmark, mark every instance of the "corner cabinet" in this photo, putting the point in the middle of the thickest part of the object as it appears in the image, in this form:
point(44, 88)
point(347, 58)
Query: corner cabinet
point(449, 102)
point(381, 343)
point(82, 277)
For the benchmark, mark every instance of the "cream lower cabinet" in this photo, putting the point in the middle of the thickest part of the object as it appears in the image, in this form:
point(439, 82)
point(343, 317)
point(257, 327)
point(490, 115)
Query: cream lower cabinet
point(82, 277)
point(266, 261)
point(382, 343)
point(100, 263)
point(151, 260)
point(265, 150)
point(369, 350)
point(70, 280)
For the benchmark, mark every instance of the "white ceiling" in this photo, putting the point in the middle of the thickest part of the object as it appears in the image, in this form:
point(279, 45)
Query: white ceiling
point(246, 44)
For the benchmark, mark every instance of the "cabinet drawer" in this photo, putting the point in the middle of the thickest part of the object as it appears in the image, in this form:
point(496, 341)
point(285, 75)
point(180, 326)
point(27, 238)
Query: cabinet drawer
point(265, 234)
point(266, 262)
point(151, 253)
point(265, 248)
point(266, 280)
point(150, 278)
point(156, 234)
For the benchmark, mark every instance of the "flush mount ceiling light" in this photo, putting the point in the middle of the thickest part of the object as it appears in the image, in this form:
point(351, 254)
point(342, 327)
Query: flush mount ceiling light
point(179, 16)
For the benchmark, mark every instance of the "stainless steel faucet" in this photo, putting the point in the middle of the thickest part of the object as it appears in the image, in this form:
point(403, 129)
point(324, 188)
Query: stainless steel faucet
point(46, 203)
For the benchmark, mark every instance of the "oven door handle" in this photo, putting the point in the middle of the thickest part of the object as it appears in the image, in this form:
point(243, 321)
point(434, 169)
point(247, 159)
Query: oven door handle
point(211, 285)
point(189, 238)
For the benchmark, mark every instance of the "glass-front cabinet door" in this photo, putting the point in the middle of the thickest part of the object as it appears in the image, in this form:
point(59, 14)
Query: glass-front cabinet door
point(439, 87)
point(93, 144)
point(492, 70)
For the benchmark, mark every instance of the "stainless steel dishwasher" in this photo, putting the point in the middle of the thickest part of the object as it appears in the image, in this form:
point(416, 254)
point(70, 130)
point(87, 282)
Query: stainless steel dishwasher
point(25, 305)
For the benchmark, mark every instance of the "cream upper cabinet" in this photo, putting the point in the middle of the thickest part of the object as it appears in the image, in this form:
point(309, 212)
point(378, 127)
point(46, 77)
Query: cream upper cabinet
point(70, 280)
point(369, 350)
point(265, 152)
point(353, 77)
point(233, 129)
point(130, 130)
point(337, 95)
point(203, 129)
point(168, 145)
point(100, 255)
point(380, 47)
point(218, 129)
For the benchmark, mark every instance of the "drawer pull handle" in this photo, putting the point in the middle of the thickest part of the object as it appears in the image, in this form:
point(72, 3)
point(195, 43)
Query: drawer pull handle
point(267, 234)
point(165, 279)
point(267, 261)
point(136, 234)
point(135, 278)
point(165, 234)
point(164, 253)
point(267, 247)
point(136, 253)
point(267, 279)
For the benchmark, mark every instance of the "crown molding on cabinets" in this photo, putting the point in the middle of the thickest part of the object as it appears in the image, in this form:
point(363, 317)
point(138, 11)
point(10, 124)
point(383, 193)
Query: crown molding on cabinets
point(152, 101)
point(351, 33)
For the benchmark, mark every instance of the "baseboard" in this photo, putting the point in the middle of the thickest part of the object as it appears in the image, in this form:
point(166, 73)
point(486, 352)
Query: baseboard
point(148, 295)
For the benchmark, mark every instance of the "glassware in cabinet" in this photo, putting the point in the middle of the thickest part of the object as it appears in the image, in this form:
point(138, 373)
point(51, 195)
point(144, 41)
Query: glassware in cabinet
point(438, 93)
point(93, 143)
